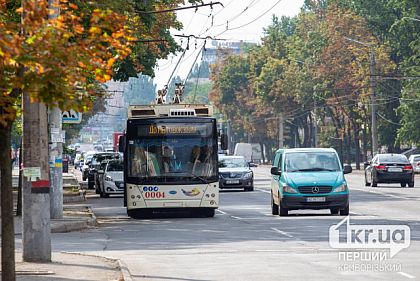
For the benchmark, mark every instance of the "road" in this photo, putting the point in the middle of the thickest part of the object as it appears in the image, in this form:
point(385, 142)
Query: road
point(245, 242)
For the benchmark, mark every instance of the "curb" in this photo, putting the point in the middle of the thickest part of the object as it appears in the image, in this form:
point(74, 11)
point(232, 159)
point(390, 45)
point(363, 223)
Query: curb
point(76, 223)
point(124, 271)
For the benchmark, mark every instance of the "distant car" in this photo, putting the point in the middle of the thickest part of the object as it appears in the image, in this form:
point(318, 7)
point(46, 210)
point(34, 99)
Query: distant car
point(94, 166)
point(389, 168)
point(111, 178)
point(85, 166)
point(77, 159)
point(415, 162)
point(235, 172)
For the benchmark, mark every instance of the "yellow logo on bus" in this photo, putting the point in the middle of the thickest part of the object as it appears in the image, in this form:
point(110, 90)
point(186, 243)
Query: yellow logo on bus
point(193, 192)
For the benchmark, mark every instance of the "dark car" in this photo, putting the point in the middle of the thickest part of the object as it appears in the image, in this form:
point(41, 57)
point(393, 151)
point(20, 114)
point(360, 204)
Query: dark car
point(95, 165)
point(235, 172)
point(389, 168)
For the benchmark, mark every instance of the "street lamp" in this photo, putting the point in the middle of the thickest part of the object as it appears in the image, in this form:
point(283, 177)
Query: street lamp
point(373, 94)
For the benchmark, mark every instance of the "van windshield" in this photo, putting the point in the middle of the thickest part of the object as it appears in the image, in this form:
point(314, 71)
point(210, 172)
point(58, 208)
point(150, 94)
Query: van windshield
point(311, 161)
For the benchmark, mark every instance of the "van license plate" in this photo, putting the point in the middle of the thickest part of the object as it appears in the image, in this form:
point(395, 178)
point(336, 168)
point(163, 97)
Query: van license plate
point(232, 181)
point(315, 199)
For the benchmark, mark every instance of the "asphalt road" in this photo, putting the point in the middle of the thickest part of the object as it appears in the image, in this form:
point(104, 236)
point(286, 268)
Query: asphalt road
point(245, 242)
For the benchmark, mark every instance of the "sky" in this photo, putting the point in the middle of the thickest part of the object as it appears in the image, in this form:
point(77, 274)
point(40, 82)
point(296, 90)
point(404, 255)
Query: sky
point(237, 20)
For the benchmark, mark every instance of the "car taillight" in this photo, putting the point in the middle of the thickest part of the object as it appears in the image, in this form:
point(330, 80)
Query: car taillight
point(381, 167)
point(408, 168)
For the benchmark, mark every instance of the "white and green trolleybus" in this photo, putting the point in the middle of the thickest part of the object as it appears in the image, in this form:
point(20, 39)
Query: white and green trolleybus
point(170, 160)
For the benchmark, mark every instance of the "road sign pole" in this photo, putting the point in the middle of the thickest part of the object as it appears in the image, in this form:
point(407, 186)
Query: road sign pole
point(56, 166)
point(56, 148)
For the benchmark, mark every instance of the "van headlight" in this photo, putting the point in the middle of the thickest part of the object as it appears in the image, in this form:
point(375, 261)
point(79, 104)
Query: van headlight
point(248, 175)
point(289, 189)
point(341, 188)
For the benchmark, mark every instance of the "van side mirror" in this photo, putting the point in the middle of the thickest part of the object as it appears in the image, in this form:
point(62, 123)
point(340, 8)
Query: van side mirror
point(224, 142)
point(275, 171)
point(347, 169)
point(121, 143)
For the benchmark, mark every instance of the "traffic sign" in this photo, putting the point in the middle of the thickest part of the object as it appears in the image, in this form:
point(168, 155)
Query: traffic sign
point(71, 117)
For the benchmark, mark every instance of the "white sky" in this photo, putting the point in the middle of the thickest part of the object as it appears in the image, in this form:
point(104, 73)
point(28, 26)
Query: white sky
point(254, 14)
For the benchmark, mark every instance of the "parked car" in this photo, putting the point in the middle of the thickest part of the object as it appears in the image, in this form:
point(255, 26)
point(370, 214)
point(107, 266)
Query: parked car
point(85, 166)
point(111, 178)
point(235, 172)
point(309, 178)
point(389, 168)
point(94, 166)
point(415, 162)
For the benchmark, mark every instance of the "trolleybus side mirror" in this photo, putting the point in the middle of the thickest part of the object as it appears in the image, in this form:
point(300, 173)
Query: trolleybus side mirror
point(223, 142)
point(121, 143)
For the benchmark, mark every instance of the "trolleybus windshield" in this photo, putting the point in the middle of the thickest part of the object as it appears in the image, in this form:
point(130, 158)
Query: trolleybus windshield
point(172, 153)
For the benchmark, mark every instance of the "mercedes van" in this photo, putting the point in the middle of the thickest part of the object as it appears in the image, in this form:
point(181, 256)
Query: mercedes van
point(308, 178)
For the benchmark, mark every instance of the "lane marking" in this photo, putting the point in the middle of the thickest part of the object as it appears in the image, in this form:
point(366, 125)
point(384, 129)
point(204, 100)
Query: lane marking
point(282, 232)
point(238, 218)
point(406, 275)
point(382, 193)
point(220, 211)
point(263, 190)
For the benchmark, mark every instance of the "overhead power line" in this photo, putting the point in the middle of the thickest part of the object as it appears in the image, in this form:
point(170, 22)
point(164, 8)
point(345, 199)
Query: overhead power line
point(181, 8)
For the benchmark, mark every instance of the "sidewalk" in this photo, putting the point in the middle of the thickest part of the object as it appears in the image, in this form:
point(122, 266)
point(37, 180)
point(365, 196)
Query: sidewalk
point(66, 266)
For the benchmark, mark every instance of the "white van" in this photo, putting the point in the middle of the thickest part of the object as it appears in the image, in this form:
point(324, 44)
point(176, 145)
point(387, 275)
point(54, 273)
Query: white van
point(243, 149)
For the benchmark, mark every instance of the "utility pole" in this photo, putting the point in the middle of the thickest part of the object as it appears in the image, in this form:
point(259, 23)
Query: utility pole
point(374, 106)
point(56, 147)
point(372, 66)
point(36, 236)
point(281, 130)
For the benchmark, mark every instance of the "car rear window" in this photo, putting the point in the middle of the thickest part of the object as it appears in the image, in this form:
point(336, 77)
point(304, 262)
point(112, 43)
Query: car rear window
point(417, 158)
point(393, 158)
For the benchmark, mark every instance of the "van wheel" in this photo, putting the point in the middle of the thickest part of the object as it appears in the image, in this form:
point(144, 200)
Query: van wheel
point(403, 184)
point(411, 184)
point(334, 211)
point(282, 211)
point(345, 211)
point(274, 206)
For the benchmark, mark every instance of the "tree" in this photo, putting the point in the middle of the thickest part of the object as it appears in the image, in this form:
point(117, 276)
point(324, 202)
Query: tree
point(56, 62)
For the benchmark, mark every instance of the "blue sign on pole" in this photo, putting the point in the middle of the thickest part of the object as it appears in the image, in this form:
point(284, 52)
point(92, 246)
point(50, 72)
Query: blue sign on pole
point(71, 117)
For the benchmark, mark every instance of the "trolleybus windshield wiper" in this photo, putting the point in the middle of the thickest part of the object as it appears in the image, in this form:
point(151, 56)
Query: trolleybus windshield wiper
point(197, 177)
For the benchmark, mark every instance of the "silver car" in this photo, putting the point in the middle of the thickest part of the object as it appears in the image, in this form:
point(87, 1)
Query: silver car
point(415, 162)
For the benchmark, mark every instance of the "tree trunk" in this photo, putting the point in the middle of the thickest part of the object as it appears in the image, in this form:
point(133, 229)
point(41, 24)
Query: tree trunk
point(7, 217)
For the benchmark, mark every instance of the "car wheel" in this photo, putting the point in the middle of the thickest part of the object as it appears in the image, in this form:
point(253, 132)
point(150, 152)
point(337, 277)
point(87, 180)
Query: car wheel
point(373, 182)
point(366, 182)
point(345, 211)
point(403, 184)
point(334, 211)
point(282, 211)
point(411, 184)
point(249, 188)
point(274, 207)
